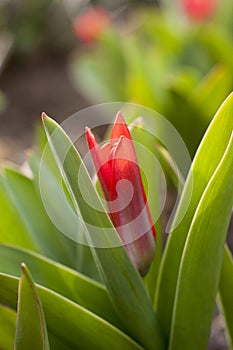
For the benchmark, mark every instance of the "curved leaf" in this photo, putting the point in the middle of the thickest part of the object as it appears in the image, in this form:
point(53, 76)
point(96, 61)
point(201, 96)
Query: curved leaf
point(47, 238)
point(201, 261)
point(60, 209)
point(68, 322)
point(225, 293)
point(31, 331)
point(214, 142)
point(60, 279)
point(7, 327)
point(12, 227)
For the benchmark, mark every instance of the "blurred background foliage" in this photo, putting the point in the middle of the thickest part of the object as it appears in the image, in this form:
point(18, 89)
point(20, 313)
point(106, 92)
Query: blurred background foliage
point(165, 60)
point(154, 53)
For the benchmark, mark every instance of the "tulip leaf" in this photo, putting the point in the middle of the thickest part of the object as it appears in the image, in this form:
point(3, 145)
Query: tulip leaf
point(12, 227)
point(47, 238)
point(200, 267)
point(61, 279)
point(31, 331)
point(7, 327)
point(225, 293)
point(204, 165)
point(146, 142)
point(50, 186)
point(123, 282)
point(69, 323)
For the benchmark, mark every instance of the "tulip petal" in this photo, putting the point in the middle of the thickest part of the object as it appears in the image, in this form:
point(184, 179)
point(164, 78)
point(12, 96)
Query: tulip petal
point(100, 157)
point(120, 179)
point(119, 128)
point(133, 222)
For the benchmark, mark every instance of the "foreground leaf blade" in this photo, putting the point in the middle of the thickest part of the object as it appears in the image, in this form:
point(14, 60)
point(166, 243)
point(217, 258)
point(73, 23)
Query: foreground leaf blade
point(123, 282)
point(12, 227)
point(31, 331)
point(7, 327)
point(30, 208)
point(214, 142)
point(201, 261)
point(68, 322)
point(225, 293)
point(60, 279)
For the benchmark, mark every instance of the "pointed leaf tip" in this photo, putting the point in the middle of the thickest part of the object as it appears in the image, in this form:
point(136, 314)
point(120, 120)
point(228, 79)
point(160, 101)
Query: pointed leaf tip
point(43, 115)
point(23, 266)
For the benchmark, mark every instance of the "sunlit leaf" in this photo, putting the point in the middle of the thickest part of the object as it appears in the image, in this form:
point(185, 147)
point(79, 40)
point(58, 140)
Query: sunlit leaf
point(200, 267)
point(67, 322)
point(60, 279)
point(7, 327)
point(203, 167)
point(225, 293)
point(31, 331)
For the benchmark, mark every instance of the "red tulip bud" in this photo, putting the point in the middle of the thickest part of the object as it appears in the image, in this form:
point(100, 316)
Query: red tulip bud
point(120, 179)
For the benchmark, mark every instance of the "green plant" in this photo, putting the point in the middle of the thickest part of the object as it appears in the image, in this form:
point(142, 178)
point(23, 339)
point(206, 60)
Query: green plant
point(55, 306)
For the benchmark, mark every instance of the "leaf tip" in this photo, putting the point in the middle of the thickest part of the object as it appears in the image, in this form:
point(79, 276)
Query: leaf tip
point(44, 115)
point(23, 266)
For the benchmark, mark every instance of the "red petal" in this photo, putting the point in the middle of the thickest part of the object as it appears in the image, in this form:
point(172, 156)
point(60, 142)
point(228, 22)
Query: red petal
point(132, 218)
point(120, 128)
point(100, 157)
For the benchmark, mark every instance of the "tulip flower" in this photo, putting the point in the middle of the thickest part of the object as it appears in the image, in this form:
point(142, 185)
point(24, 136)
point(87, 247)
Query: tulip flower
point(199, 10)
point(89, 26)
point(120, 179)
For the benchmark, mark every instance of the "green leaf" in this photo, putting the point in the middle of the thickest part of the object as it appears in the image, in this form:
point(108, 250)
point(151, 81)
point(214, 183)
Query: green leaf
point(200, 267)
point(7, 327)
point(12, 227)
point(68, 322)
point(123, 282)
point(225, 293)
point(47, 238)
point(31, 331)
point(145, 145)
point(61, 279)
point(204, 165)
point(55, 196)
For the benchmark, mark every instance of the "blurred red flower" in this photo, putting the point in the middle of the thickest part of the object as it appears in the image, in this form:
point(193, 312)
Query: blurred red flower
point(199, 10)
point(91, 24)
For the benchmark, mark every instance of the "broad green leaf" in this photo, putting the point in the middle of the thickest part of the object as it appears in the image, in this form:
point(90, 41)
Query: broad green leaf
point(200, 267)
point(123, 282)
point(7, 327)
point(204, 165)
point(47, 238)
point(12, 227)
point(61, 279)
point(68, 322)
point(145, 145)
point(225, 293)
point(55, 196)
point(31, 331)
